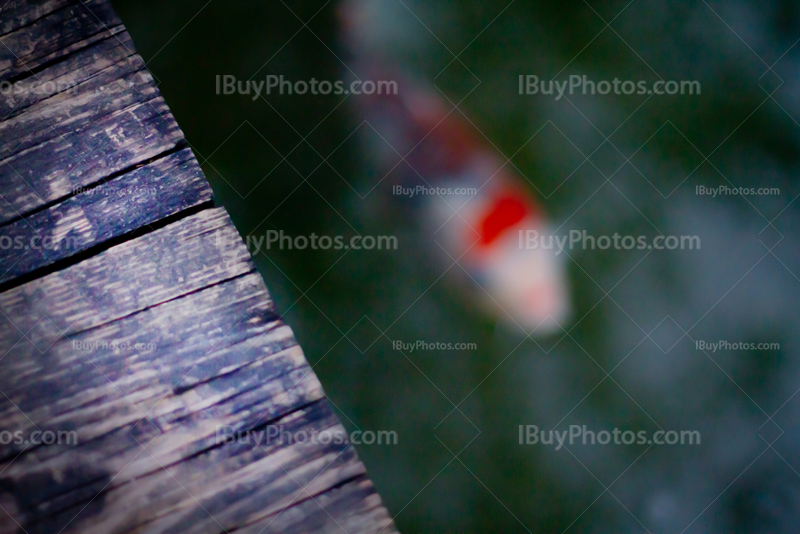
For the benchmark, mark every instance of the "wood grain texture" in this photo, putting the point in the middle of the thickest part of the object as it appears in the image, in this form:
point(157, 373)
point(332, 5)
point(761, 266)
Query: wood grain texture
point(111, 91)
point(93, 216)
point(17, 13)
point(57, 34)
point(57, 167)
point(148, 389)
point(186, 256)
point(68, 75)
point(133, 325)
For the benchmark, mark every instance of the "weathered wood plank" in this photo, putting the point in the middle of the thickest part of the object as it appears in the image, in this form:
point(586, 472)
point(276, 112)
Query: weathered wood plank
point(222, 364)
point(67, 75)
point(191, 254)
point(114, 208)
point(352, 507)
point(55, 168)
point(233, 325)
point(251, 372)
point(54, 36)
point(135, 318)
point(17, 13)
point(114, 89)
point(243, 482)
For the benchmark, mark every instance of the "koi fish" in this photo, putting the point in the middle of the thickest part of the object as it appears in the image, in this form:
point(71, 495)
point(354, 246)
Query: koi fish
point(479, 212)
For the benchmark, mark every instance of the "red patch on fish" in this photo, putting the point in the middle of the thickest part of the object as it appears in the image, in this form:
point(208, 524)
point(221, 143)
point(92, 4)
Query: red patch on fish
point(505, 212)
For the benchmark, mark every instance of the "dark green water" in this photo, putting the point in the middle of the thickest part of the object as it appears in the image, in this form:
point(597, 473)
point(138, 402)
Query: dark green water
point(629, 357)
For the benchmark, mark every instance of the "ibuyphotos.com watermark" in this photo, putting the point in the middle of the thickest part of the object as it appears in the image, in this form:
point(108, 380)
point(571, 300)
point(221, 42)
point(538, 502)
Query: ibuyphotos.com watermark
point(420, 345)
point(39, 437)
point(279, 436)
point(228, 84)
point(28, 87)
point(724, 344)
point(530, 84)
point(725, 190)
point(91, 346)
point(422, 190)
point(580, 434)
point(105, 189)
point(35, 87)
point(38, 242)
point(278, 240)
point(580, 239)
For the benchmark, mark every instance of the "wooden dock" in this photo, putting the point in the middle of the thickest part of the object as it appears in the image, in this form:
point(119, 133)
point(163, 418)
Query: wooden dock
point(144, 369)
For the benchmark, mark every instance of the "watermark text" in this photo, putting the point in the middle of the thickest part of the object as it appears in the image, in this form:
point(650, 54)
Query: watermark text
point(420, 345)
point(228, 84)
point(278, 435)
point(579, 434)
point(530, 84)
point(723, 344)
point(580, 239)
